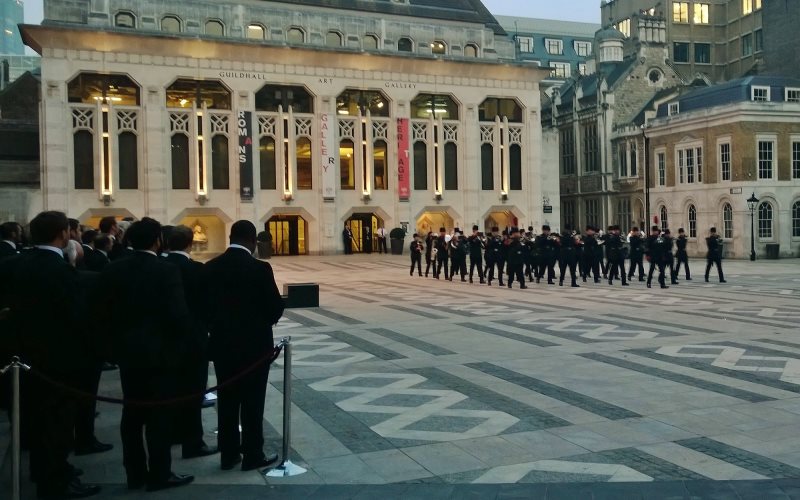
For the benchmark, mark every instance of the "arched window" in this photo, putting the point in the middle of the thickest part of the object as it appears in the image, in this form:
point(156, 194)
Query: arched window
point(796, 220)
point(171, 24)
point(184, 92)
point(215, 28)
point(347, 164)
point(438, 48)
point(269, 97)
point(379, 168)
point(493, 107)
point(471, 50)
point(180, 161)
point(515, 168)
point(255, 32)
point(83, 154)
point(351, 101)
point(125, 20)
point(420, 166)
point(89, 88)
point(220, 164)
point(405, 45)
point(664, 218)
point(765, 221)
point(128, 158)
point(439, 105)
point(295, 35)
point(692, 221)
point(333, 39)
point(487, 167)
point(267, 157)
point(370, 42)
point(304, 169)
point(450, 166)
point(727, 221)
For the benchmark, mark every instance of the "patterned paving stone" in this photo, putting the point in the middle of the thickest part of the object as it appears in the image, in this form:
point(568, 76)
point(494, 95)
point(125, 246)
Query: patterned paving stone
point(745, 459)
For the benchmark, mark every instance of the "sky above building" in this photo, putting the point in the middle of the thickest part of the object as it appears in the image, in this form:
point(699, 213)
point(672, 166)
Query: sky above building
point(567, 10)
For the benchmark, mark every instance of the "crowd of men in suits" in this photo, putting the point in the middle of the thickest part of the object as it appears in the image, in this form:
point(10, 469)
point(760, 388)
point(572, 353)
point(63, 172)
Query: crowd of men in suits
point(528, 257)
point(129, 293)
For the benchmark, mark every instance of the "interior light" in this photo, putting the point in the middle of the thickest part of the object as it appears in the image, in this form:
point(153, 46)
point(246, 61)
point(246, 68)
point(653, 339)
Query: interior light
point(344, 112)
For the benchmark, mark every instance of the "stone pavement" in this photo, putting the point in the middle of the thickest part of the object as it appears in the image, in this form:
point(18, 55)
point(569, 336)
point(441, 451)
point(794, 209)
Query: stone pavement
point(407, 387)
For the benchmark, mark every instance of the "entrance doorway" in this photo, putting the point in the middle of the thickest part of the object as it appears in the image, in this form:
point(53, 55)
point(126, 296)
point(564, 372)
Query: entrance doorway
point(364, 227)
point(503, 220)
point(432, 221)
point(288, 234)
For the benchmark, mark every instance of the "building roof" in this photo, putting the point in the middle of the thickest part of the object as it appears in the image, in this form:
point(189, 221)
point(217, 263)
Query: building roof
point(733, 91)
point(514, 24)
point(609, 34)
point(470, 11)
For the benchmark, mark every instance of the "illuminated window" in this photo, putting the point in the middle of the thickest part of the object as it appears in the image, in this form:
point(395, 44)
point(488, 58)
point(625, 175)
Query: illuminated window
point(352, 101)
point(680, 12)
point(89, 88)
point(439, 105)
point(624, 27)
point(494, 107)
point(701, 13)
point(185, 92)
point(438, 47)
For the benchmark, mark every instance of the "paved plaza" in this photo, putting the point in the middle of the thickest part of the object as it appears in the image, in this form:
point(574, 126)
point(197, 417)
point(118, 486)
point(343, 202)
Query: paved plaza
point(407, 387)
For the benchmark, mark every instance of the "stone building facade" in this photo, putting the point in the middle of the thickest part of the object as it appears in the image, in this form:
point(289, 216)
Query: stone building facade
point(300, 116)
point(712, 148)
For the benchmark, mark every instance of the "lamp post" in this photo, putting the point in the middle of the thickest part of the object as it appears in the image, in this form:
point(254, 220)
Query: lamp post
point(752, 203)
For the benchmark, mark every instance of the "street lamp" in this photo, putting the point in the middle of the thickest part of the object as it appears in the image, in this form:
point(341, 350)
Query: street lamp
point(752, 203)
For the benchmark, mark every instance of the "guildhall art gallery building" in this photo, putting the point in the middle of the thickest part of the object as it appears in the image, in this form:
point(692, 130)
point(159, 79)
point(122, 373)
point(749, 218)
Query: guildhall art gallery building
point(301, 116)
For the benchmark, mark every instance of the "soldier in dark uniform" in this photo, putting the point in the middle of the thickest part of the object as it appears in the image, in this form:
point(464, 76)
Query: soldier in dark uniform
point(669, 260)
point(590, 261)
point(527, 240)
point(416, 255)
point(458, 256)
point(476, 247)
point(567, 256)
point(616, 258)
point(515, 261)
point(347, 239)
point(494, 256)
point(441, 254)
point(681, 257)
point(636, 242)
point(429, 260)
point(366, 241)
point(656, 246)
point(545, 243)
point(604, 262)
point(714, 255)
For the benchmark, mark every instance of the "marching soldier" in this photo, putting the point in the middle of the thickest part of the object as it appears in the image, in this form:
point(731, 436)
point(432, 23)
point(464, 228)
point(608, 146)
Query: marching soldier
point(476, 247)
point(681, 257)
point(429, 255)
point(636, 242)
point(546, 243)
point(669, 260)
point(527, 241)
point(616, 258)
point(516, 263)
point(568, 256)
point(494, 256)
point(656, 246)
point(592, 254)
point(416, 255)
point(458, 255)
point(440, 247)
point(714, 256)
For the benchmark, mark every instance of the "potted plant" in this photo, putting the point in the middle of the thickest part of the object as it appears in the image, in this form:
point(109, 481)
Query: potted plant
point(397, 237)
point(264, 244)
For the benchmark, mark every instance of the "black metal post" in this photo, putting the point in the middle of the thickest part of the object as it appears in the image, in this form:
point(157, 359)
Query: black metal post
point(752, 234)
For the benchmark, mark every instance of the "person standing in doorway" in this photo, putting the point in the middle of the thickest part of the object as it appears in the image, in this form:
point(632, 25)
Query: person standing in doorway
point(347, 239)
point(381, 236)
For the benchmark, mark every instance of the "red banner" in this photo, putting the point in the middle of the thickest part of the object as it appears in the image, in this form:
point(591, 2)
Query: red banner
point(403, 174)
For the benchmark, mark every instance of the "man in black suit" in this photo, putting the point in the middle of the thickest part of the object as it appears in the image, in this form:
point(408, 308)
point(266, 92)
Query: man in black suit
point(97, 259)
point(143, 296)
point(194, 372)
point(243, 305)
point(45, 308)
point(11, 236)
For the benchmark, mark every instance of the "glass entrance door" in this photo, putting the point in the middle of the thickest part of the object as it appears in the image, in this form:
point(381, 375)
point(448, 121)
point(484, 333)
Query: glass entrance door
point(288, 234)
point(364, 228)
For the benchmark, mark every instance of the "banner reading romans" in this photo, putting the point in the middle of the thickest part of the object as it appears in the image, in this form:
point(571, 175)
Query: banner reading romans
point(244, 122)
point(328, 152)
point(403, 181)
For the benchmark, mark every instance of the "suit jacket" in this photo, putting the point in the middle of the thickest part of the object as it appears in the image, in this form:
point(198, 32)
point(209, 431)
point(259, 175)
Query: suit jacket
point(243, 305)
point(94, 260)
point(142, 301)
point(196, 300)
point(6, 250)
point(46, 303)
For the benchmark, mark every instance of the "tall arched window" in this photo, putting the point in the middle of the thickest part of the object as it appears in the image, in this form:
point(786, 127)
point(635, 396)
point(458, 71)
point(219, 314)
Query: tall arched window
point(128, 160)
point(304, 169)
point(439, 105)
point(255, 32)
point(295, 35)
point(125, 20)
point(471, 50)
point(347, 164)
point(450, 166)
point(796, 220)
point(664, 218)
point(487, 167)
point(502, 107)
point(727, 221)
point(370, 42)
point(379, 168)
point(180, 161)
point(333, 39)
point(83, 153)
point(220, 164)
point(692, 221)
point(515, 167)
point(214, 28)
point(765, 220)
point(171, 24)
point(420, 166)
point(267, 157)
point(405, 45)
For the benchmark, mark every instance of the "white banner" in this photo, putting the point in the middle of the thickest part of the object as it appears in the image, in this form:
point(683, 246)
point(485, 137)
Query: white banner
point(328, 154)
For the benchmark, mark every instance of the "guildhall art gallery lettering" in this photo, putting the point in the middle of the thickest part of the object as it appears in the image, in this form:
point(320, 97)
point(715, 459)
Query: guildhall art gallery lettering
point(189, 116)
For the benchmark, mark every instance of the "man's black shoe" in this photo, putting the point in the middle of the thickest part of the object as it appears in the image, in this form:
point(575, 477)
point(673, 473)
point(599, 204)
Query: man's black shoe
point(91, 448)
point(173, 481)
point(230, 463)
point(722, 281)
point(203, 451)
point(260, 463)
point(75, 489)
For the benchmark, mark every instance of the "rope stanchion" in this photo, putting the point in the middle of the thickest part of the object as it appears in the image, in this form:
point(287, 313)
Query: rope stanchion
point(16, 449)
point(286, 468)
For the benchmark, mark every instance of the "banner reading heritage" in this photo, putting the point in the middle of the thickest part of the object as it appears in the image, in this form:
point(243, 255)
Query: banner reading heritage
point(245, 123)
point(403, 178)
point(328, 150)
